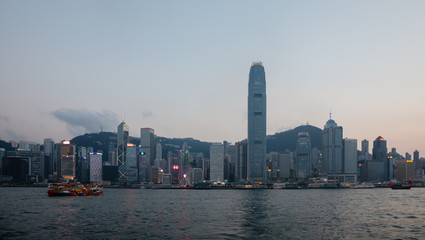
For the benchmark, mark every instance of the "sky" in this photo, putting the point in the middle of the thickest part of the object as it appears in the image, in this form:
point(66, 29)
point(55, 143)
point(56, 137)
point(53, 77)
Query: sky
point(181, 68)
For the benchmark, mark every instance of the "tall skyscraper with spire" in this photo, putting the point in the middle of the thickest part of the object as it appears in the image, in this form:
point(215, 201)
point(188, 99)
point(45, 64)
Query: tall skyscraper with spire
point(122, 141)
point(257, 123)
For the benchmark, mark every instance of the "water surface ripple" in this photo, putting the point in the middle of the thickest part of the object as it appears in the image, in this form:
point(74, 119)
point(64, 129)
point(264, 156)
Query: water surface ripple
point(27, 213)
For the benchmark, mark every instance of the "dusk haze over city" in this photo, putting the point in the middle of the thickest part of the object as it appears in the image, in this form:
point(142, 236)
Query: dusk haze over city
point(69, 68)
point(310, 114)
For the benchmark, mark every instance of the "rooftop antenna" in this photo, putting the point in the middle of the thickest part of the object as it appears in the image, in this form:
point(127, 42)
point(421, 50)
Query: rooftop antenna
point(330, 113)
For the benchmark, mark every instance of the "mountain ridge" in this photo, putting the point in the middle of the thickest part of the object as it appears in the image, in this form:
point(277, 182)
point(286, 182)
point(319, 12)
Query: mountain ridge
point(277, 142)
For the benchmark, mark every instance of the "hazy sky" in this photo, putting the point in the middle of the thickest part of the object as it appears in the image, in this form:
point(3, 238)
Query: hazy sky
point(181, 67)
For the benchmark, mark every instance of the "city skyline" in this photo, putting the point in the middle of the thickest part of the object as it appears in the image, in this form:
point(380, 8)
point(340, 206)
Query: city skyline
point(182, 68)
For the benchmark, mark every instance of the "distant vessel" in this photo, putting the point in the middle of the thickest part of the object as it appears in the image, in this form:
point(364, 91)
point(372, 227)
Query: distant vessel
point(401, 185)
point(363, 186)
point(74, 189)
point(316, 185)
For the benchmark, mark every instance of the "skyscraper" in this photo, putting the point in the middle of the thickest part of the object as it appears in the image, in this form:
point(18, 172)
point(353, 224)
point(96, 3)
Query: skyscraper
point(95, 167)
point(256, 123)
point(122, 140)
point(158, 151)
point(365, 147)
point(285, 162)
point(241, 161)
point(350, 160)
point(381, 167)
point(217, 162)
point(332, 148)
point(49, 165)
point(303, 156)
point(131, 164)
point(147, 143)
point(379, 151)
point(66, 156)
point(416, 155)
point(2, 155)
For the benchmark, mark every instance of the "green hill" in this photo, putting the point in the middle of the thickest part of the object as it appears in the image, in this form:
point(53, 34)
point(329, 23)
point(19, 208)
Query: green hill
point(7, 146)
point(287, 140)
point(275, 143)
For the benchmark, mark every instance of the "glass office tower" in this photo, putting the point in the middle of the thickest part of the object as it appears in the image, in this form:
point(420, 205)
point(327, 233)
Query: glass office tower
point(256, 123)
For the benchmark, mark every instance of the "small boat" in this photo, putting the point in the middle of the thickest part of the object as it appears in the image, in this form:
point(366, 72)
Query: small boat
point(363, 186)
point(400, 185)
point(74, 189)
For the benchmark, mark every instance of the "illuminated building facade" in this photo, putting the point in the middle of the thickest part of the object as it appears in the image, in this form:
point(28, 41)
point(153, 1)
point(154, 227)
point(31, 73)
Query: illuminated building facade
point(174, 165)
point(66, 156)
point(256, 123)
point(131, 163)
point(95, 167)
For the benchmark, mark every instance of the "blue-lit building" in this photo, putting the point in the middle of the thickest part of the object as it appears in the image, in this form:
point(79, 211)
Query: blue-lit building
point(256, 123)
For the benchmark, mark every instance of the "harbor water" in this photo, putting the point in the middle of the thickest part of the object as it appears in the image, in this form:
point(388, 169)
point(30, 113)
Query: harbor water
point(28, 213)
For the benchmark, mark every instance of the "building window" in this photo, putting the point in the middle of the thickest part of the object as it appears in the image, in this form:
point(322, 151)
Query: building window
point(258, 95)
point(258, 142)
point(258, 113)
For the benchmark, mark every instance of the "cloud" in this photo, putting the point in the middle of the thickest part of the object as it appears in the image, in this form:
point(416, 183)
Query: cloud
point(4, 119)
point(84, 120)
point(147, 114)
point(15, 136)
